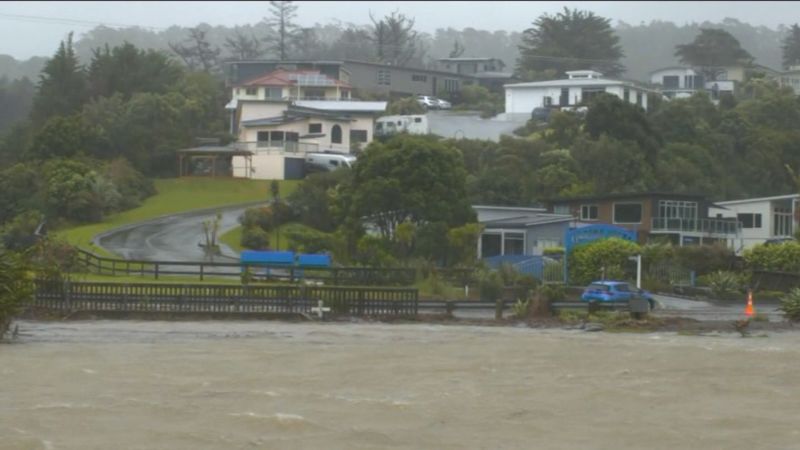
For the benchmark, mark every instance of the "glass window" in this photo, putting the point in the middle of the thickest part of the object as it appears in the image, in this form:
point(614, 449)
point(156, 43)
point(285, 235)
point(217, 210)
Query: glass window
point(251, 91)
point(674, 209)
point(384, 77)
point(622, 288)
point(275, 93)
point(597, 287)
point(627, 213)
point(782, 222)
point(357, 136)
point(513, 244)
point(336, 134)
point(671, 81)
point(276, 135)
point(561, 209)
point(422, 78)
point(315, 128)
point(490, 245)
point(588, 212)
point(749, 220)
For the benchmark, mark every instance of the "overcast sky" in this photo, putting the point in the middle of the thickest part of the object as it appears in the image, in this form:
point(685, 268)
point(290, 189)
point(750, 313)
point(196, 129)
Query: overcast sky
point(23, 37)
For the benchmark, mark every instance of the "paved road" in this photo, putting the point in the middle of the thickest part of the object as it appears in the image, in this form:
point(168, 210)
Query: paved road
point(172, 238)
point(460, 124)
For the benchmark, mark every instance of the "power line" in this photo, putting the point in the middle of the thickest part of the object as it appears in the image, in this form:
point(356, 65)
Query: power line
point(64, 21)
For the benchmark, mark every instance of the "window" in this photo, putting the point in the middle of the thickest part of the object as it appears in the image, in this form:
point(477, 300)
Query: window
point(627, 213)
point(275, 93)
point(251, 91)
point(588, 212)
point(262, 139)
point(782, 222)
point(563, 100)
point(336, 134)
point(561, 209)
point(450, 85)
point(491, 244)
point(422, 78)
point(547, 101)
point(314, 93)
point(673, 209)
point(749, 220)
point(671, 81)
point(345, 95)
point(384, 77)
point(639, 98)
point(626, 95)
point(622, 288)
point(358, 136)
point(513, 244)
point(417, 120)
point(276, 136)
point(587, 94)
point(315, 128)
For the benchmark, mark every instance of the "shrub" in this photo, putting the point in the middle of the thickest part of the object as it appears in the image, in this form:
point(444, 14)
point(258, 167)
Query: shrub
point(15, 277)
point(724, 284)
point(780, 257)
point(254, 238)
point(790, 305)
point(553, 251)
point(491, 286)
point(308, 240)
point(704, 259)
point(521, 308)
point(586, 261)
point(553, 292)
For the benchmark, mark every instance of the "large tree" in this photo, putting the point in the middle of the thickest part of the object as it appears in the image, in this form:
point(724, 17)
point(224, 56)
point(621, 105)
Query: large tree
point(126, 70)
point(570, 40)
point(283, 13)
point(396, 42)
point(409, 178)
point(62, 85)
point(243, 47)
point(197, 52)
point(712, 50)
point(791, 47)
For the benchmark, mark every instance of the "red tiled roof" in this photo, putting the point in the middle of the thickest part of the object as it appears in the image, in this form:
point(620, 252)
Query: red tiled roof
point(282, 77)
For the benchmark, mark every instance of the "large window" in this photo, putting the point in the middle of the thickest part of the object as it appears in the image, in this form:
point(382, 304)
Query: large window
point(251, 91)
point(587, 94)
point(627, 213)
point(491, 245)
point(561, 209)
point(384, 77)
point(749, 220)
point(671, 81)
point(422, 78)
point(336, 134)
point(450, 85)
point(514, 244)
point(315, 128)
point(274, 93)
point(314, 93)
point(673, 209)
point(358, 136)
point(782, 222)
point(588, 212)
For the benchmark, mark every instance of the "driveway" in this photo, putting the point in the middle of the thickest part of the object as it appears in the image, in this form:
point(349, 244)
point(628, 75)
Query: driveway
point(467, 124)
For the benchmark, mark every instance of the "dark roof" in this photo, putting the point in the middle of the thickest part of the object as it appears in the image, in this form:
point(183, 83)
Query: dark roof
point(630, 195)
point(350, 61)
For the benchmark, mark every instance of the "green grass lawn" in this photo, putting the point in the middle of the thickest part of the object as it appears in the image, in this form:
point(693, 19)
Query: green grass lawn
point(176, 195)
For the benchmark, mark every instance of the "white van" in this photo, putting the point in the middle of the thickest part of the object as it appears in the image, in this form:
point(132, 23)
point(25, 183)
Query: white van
point(389, 125)
point(329, 161)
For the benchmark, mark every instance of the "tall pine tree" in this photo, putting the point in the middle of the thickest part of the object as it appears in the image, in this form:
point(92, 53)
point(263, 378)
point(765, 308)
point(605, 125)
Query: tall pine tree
point(62, 85)
point(791, 47)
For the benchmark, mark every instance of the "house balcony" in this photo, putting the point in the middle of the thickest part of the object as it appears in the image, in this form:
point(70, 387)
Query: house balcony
point(708, 227)
point(277, 146)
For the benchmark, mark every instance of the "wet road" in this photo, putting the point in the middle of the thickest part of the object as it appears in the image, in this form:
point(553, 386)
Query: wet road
point(172, 238)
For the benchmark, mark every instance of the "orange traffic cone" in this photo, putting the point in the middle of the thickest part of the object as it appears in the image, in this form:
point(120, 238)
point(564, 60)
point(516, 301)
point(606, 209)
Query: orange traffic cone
point(749, 311)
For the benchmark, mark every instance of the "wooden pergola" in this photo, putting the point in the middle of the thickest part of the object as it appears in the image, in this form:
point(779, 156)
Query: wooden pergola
point(212, 155)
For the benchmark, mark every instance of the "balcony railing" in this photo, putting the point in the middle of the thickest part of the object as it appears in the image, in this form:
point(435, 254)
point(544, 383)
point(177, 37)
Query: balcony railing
point(706, 226)
point(277, 146)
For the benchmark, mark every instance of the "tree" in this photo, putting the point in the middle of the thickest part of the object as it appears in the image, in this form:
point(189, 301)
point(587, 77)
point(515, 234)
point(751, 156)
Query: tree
point(396, 42)
point(791, 47)
point(65, 137)
point(610, 115)
point(243, 47)
point(612, 166)
point(17, 99)
point(457, 50)
point(126, 70)
point(570, 40)
point(283, 13)
point(196, 52)
point(410, 178)
point(712, 50)
point(17, 282)
point(62, 85)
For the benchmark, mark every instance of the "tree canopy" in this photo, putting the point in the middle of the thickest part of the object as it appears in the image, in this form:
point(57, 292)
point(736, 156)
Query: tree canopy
point(711, 50)
point(791, 47)
point(569, 40)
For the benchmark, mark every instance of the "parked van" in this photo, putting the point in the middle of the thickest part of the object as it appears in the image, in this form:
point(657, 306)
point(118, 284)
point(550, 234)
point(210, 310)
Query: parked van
point(389, 125)
point(329, 161)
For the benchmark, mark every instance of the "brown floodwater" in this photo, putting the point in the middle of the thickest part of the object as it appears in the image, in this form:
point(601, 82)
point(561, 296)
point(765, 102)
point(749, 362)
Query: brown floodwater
point(274, 385)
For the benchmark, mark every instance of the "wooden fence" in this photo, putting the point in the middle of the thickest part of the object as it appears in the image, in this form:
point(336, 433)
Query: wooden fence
point(207, 298)
point(345, 276)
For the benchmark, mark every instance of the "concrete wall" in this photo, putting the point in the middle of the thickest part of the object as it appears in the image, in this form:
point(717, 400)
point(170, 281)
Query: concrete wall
point(265, 167)
point(261, 110)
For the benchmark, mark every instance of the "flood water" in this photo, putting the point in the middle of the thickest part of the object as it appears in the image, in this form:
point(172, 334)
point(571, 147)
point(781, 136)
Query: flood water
point(274, 385)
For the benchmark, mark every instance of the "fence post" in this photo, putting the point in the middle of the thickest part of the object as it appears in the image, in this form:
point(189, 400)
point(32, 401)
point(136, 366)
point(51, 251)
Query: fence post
point(201, 271)
point(67, 288)
point(156, 271)
point(498, 308)
point(450, 306)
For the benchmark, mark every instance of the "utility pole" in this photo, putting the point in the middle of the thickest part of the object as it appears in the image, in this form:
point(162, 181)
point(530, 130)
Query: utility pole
point(638, 259)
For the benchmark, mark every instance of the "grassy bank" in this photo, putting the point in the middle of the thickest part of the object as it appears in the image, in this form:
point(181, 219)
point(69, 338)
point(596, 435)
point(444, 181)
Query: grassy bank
point(177, 195)
point(233, 237)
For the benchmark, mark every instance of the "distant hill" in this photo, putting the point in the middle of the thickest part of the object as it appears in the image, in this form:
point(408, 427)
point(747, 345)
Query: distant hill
point(647, 46)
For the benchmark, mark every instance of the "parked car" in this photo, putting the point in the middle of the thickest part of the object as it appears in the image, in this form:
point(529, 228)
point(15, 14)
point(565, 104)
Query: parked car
point(444, 104)
point(780, 240)
point(541, 114)
point(613, 292)
point(428, 102)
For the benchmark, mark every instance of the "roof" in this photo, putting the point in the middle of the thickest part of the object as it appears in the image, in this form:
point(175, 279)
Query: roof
point(467, 58)
point(759, 199)
point(342, 105)
point(509, 208)
point(621, 196)
point(282, 77)
point(576, 82)
point(493, 75)
point(293, 114)
point(527, 220)
point(280, 120)
point(349, 61)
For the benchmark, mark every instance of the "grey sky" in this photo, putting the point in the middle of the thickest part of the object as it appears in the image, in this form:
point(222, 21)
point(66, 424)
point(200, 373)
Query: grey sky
point(26, 37)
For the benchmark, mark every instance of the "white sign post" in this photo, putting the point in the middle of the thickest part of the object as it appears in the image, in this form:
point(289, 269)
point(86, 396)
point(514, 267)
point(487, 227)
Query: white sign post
point(320, 310)
point(638, 259)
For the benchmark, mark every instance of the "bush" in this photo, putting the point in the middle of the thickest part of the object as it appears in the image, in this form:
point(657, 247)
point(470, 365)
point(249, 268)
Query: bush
point(308, 240)
point(586, 261)
point(15, 277)
point(254, 238)
point(790, 305)
point(779, 257)
point(491, 286)
point(724, 284)
point(553, 292)
point(521, 308)
point(704, 259)
point(553, 251)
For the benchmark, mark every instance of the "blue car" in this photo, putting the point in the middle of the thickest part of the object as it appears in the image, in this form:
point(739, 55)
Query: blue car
point(613, 292)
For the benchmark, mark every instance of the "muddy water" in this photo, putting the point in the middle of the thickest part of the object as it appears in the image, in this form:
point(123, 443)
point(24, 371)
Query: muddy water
point(224, 385)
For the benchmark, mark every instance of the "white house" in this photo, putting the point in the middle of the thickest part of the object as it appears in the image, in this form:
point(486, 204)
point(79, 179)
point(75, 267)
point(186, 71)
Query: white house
point(791, 78)
point(577, 90)
point(762, 218)
point(683, 82)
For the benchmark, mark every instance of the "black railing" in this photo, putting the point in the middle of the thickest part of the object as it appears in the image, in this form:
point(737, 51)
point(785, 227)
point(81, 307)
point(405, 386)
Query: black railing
point(66, 296)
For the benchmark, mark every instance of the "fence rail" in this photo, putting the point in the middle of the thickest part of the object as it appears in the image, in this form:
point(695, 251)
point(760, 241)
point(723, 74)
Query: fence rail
point(206, 298)
point(352, 276)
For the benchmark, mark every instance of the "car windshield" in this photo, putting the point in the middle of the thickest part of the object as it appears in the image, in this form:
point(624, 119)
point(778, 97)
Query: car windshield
point(623, 288)
point(597, 287)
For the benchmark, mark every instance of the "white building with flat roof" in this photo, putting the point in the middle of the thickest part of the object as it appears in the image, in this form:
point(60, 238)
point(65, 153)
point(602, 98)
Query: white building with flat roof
point(762, 218)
